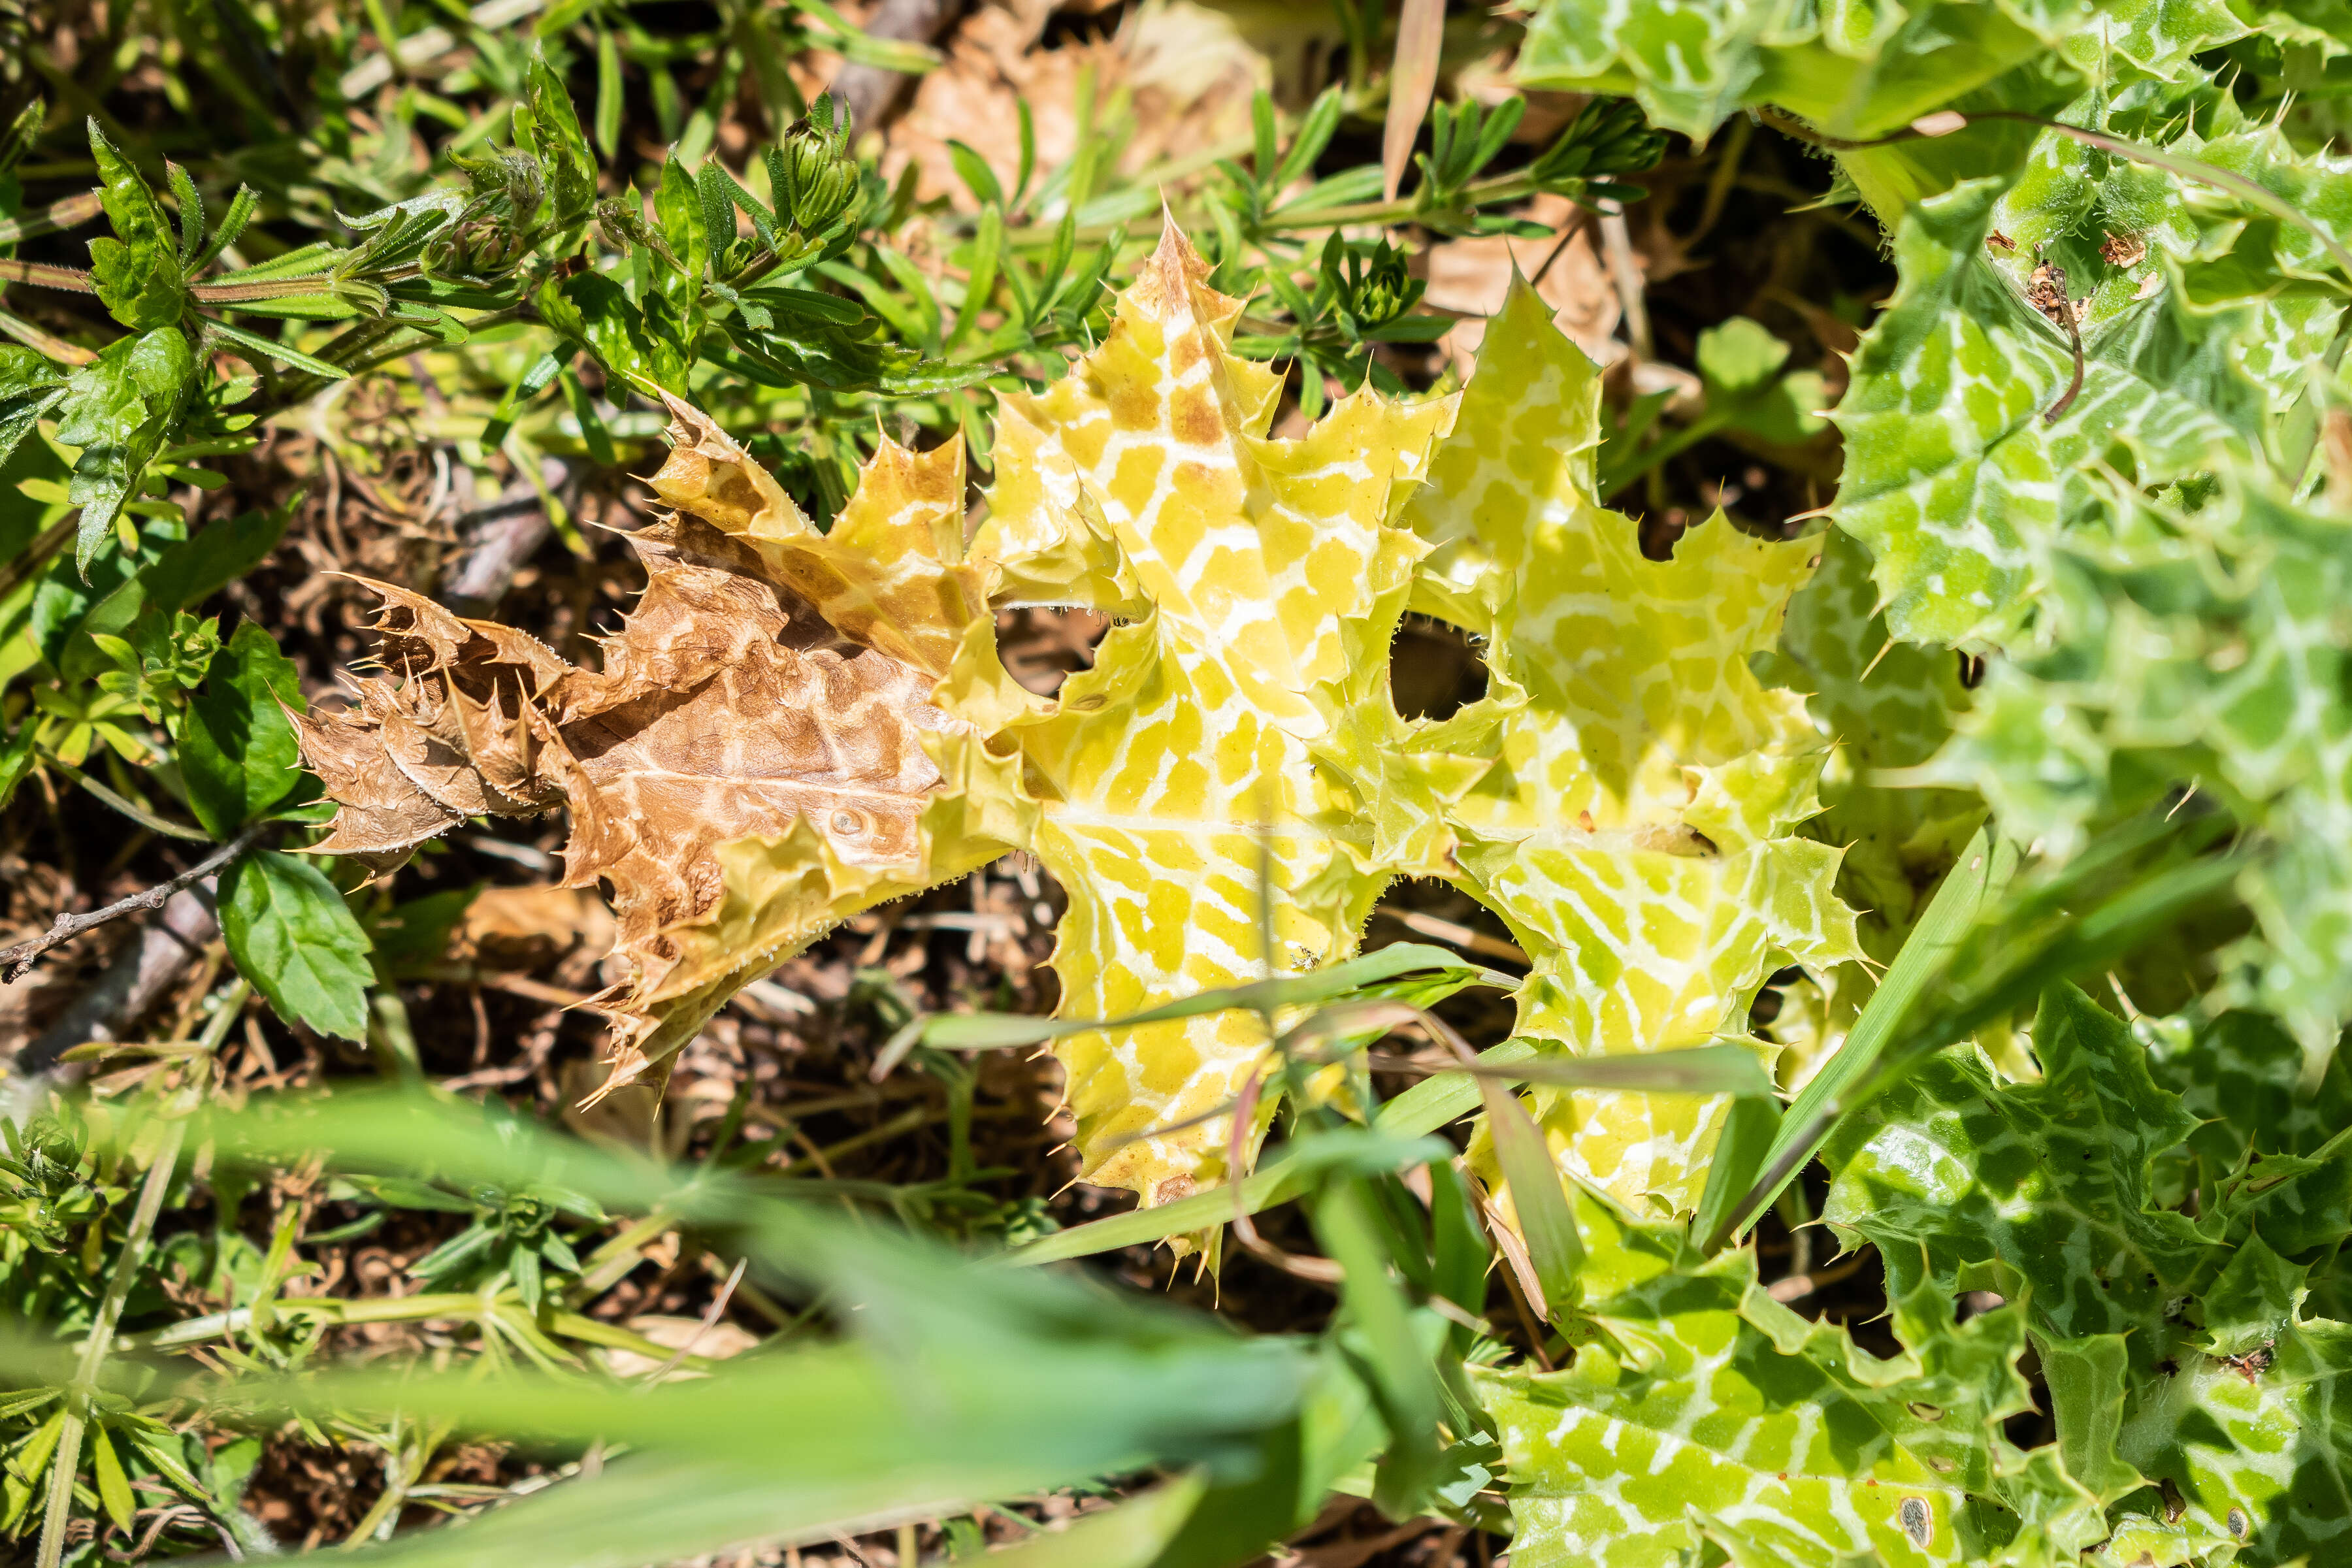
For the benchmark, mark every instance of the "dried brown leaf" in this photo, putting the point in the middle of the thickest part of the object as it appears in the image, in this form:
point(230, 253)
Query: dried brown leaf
point(761, 754)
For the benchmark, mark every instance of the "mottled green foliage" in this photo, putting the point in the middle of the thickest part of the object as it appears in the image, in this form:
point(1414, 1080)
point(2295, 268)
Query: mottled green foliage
point(2242, 1078)
point(2254, 1432)
point(1698, 1410)
point(1883, 704)
point(1858, 68)
point(2209, 643)
point(2189, 1389)
point(2039, 1186)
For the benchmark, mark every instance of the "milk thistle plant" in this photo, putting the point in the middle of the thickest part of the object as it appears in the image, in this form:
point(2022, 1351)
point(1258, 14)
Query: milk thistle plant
point(1863, 1081)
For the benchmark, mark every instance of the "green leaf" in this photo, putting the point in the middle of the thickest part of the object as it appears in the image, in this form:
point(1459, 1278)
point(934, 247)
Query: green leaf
point(1889, 704)
point(2241, 1077)
point(271, 349)
point(238, 751)
point(16, 758)
point(113, 1486)
point(136, 273)
point(30, 385)
point(1740, 1154)
point(1380, 1330)
point(2198, 640)
point(609, 104)
point(808, 302)
point(2254, 1435)
point(191, 213)
point(1134, 1534)
point(2041, 1185)
point(948, 1383)
point(167, 574)
point(977, 176)
point(20, 415)
point(290, 935)
point(1967, 464)
point(639, 344)
point(563, 152)
point(1539, 1201)
point(109, 599)
point(1704, 1412)
point(119, 409)
point(1855, 70)
point(678, 210)
point(1739, 363)
point(2088, 1382)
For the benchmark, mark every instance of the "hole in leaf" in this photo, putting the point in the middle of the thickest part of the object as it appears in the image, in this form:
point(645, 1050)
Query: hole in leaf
point(1045, 645)
point(1433, 670)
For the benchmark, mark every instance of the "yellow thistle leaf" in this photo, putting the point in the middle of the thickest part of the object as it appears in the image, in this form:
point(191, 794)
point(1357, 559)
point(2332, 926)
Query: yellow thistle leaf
point(793, 726)
point(1184, 770)
point(1633, 828)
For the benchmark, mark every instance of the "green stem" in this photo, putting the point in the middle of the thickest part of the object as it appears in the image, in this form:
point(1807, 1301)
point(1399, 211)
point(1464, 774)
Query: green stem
point(43, 276)
point(42, 342)
point(259, 288)
point(1658, 452)
point(36, 556)
point(70, 212)
point(67, 1458)
point(1489, 192)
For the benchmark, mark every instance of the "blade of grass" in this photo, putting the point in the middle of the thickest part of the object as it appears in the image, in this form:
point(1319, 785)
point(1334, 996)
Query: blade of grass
point(1425, 1107)
point(1413, 80)
point(1983, 870)
point(996, 1031)
point(1739, 1154)
point(1539, 1199)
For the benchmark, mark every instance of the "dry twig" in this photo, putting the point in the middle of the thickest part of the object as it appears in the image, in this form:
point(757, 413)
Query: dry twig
point(17, 960)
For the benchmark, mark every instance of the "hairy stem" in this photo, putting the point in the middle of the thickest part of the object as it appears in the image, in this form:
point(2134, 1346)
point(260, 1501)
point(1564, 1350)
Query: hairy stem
point(67, 1458)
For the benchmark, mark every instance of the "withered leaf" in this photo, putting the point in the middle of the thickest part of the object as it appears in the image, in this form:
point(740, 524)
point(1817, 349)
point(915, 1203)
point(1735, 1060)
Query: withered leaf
point(759, 756)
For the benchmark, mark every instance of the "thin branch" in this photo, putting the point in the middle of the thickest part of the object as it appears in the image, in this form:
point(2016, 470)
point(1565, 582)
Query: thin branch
point(2074, 342)
point(16, 962)
point(33, 338)
point(36, 556)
